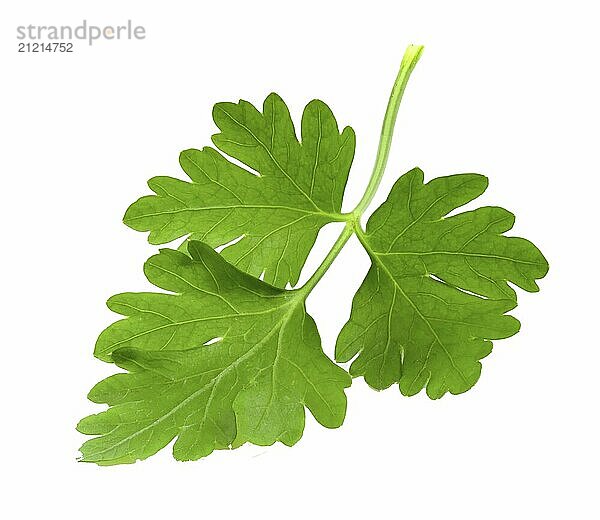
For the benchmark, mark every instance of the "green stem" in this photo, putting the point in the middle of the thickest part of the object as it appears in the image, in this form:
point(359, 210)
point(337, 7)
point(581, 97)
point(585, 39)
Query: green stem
point(347, 232)
point(410, 59)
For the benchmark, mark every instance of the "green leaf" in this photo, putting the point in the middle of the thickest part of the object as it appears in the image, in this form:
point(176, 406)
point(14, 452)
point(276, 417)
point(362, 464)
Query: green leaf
point(437, 290)
point(249, 386)
point(279, 212)
point(224, 358)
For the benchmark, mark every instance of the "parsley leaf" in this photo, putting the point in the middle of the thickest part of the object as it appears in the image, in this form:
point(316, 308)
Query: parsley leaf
point(278, 214)
point(249, 386)
point(224, 358)
point(437, 289)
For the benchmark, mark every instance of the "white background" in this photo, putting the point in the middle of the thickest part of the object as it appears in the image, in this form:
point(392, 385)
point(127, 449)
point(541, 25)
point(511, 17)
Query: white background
point(508, 89)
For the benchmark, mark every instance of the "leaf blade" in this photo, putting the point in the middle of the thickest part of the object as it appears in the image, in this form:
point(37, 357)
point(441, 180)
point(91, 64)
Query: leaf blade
point(277, 213)
point(437, 291)
point(209, 395)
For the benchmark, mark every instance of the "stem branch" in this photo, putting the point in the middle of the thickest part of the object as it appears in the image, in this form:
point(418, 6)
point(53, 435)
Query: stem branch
point(410, 59)
point(346, 233)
